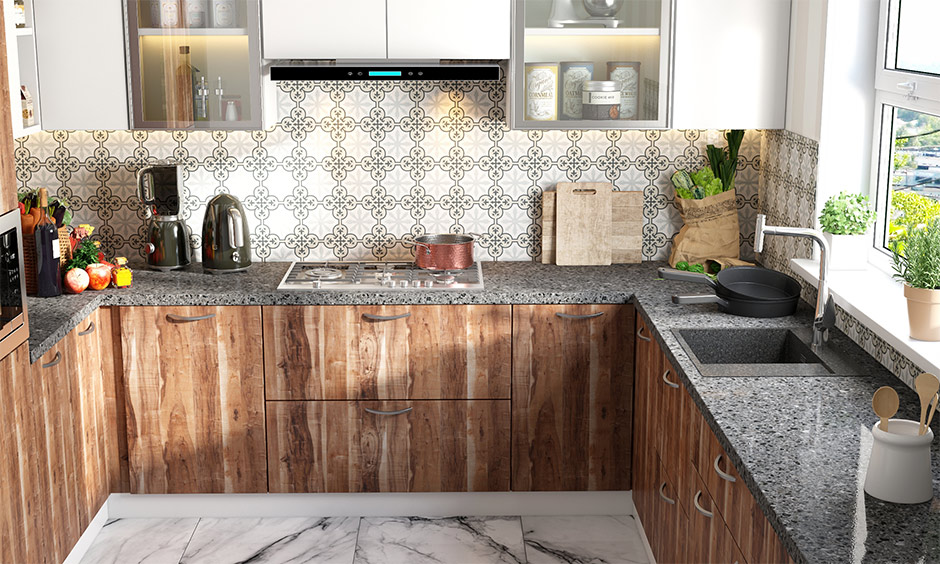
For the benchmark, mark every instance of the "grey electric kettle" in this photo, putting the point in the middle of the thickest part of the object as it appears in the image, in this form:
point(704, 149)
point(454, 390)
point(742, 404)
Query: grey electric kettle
point(225, 245)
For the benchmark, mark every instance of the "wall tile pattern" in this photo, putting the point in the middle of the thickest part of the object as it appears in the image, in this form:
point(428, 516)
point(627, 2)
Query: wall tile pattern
point(355, 170)
point(788, 197)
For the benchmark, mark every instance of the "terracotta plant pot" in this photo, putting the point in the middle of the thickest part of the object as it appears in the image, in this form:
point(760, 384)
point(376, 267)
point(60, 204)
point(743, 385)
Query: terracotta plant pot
point(923, 312)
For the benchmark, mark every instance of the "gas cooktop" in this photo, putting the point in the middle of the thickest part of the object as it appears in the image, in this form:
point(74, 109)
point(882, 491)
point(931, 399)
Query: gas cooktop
point(364, 276)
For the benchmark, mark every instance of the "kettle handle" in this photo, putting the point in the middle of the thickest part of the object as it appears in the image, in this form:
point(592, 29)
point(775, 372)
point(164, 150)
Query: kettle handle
point(147, 199)
point(236, 233)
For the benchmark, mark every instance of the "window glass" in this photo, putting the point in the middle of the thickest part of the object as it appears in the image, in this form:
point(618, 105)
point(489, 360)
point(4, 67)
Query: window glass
point(914, 197)
point(917, 31)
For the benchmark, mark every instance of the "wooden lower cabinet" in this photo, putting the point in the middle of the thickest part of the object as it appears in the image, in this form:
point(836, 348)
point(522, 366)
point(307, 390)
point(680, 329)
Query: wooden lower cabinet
point(675, 459)
point(387, 352)
point(572, 397)
point(59, 454)
point(388, 446)
point(194, 391)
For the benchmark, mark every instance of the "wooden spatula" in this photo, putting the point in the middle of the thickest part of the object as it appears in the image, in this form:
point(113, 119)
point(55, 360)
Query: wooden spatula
point(885, 403)
point(926, 386)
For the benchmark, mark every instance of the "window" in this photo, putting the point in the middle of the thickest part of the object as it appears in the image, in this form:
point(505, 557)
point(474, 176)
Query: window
point(907, 147)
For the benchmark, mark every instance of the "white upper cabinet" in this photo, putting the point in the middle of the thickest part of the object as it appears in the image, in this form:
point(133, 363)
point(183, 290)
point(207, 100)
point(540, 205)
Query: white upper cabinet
point(323, 29)
point(439, 29)
point(730, 64)
point(82, 78)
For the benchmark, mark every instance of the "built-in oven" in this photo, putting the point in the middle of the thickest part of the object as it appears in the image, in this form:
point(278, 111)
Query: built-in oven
point(14, 327)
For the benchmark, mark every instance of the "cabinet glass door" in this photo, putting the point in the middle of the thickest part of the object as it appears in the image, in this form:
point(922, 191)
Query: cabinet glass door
point(195, 64)
point(606, 68)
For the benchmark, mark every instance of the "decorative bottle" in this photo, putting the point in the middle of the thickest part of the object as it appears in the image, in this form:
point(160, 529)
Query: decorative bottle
point(48, 277)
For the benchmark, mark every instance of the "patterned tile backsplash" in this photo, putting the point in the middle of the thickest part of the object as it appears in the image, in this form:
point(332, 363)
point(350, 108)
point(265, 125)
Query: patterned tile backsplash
point(354, 170)
point(788, 197)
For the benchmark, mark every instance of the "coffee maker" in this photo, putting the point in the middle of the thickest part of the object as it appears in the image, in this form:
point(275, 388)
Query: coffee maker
point(168, 236)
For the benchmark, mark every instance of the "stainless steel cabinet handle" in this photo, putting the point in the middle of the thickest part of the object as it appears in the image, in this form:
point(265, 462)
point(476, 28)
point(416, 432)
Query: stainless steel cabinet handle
point(183, 319)
point(377, 412)
point(724, 475)
point(374, 317)
point(639, 333)
point(90, 329)
point(571, 316)
point(662, 489)
point(666, 380)
point(698, 507)
point(56, 360)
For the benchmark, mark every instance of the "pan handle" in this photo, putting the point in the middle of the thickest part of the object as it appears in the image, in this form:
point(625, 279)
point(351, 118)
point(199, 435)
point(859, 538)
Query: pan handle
point(425, 245)
point(683, 276)
point(700, 299)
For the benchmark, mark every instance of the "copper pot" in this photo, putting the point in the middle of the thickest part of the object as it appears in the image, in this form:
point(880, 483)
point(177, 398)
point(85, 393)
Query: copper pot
point(448, 251)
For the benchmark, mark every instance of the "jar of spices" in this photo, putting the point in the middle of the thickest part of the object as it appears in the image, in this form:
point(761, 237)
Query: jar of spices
point(601, 99)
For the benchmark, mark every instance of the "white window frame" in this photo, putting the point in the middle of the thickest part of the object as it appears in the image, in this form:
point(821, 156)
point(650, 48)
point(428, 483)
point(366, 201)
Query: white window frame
point(891, 91)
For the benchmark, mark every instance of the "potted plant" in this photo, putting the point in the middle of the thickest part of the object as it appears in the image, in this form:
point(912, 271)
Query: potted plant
point(845, 218)
point(917, 264)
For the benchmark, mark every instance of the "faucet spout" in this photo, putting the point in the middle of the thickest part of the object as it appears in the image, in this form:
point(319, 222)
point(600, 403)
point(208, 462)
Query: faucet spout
point(825, 309)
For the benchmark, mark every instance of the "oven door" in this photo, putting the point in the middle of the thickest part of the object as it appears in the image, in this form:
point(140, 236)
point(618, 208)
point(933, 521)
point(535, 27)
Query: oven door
point(13, 326)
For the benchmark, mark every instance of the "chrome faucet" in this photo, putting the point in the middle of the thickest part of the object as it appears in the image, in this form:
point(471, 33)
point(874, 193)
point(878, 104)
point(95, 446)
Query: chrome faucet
point(825, 317)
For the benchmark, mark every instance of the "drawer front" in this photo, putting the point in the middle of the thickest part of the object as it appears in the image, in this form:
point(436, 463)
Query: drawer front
point(388, 446)
point(387, 352)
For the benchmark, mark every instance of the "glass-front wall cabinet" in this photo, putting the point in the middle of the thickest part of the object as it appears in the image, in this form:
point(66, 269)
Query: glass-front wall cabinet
point(195, 64)
point(590, 64)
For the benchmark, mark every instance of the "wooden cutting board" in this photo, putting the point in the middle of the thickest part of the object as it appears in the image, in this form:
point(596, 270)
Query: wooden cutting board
point(626, 227)
point(582, 223)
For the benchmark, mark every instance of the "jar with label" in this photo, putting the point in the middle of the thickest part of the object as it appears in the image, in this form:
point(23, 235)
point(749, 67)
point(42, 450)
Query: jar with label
point(19, 14)
point(169, 13)
point(196, 13)
point(601, 99)
point(541, 91)
point(628, 75)
point(224, 13)
point(572, 76)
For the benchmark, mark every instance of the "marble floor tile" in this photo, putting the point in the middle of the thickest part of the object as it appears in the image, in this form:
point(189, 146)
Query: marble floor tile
point(320, 540)
point(141, 541)
point(583, 540)
point(420, 540)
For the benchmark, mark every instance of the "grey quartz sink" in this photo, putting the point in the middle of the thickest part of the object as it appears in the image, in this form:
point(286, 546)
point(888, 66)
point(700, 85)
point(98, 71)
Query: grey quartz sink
point(757, 352)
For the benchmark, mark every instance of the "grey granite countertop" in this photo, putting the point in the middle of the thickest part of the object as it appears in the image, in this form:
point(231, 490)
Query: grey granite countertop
point(800, 443)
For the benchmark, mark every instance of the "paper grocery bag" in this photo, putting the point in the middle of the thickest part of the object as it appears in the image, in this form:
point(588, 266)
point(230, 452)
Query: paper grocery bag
point(710, 232)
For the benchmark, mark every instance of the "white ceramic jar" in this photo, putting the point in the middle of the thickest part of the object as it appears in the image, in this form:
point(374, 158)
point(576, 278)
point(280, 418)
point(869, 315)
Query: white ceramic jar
point(899, 468)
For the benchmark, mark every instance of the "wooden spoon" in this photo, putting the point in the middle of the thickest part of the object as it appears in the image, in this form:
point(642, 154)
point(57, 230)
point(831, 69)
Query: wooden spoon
point(933, 409)
point(927, 386)
point(885, 403)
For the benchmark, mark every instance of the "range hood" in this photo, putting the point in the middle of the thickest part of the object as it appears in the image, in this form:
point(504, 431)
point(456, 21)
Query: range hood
point(384, 70)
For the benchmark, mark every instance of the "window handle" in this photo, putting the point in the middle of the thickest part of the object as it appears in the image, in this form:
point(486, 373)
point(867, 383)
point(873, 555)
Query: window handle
point(910, 87)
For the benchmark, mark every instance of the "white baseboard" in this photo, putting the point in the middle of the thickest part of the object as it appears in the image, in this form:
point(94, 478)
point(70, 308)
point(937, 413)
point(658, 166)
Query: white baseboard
point(370, 504)
point(91, 531)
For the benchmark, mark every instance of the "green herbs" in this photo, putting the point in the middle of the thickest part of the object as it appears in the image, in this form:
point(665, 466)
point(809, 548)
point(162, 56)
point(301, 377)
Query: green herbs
point(917, 260)
point(714, 179)
point(847, 214)
point(85, 253)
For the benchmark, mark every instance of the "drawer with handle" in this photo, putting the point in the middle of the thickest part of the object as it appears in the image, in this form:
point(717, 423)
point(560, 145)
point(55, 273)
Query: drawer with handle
point(387, 352)
point(388, 446)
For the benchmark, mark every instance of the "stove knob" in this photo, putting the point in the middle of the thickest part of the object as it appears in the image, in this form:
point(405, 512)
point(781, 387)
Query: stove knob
point(428, 283)
point(388, 283)
point(403, 284)
point(416, 283)
point(316, 283)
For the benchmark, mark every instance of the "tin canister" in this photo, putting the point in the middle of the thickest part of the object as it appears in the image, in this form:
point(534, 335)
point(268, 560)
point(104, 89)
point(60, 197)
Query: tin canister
point(541, 91)
point(601, 99)
point(572, 75)
point(628, 75)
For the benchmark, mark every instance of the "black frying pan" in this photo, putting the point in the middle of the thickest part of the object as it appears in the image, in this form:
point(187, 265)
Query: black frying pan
point(744, 307)
point(743, 282)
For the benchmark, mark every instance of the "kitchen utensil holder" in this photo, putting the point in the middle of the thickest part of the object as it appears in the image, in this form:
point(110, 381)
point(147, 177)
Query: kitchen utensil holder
point(899, 468)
